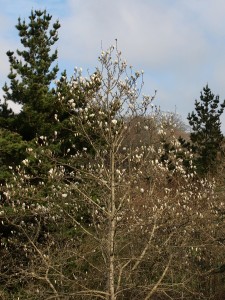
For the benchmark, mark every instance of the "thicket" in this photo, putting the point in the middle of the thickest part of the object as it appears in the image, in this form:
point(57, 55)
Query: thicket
point(99, 198)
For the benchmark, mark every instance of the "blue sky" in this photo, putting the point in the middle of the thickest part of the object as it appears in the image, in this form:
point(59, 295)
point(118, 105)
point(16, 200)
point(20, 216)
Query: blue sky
point(180, 44)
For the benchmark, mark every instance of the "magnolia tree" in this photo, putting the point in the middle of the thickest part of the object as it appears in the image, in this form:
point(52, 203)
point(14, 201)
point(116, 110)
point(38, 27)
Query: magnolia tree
point(118, 219)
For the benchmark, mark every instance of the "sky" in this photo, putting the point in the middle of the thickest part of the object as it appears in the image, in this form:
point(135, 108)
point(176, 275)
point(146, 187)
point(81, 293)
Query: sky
point(180, 44)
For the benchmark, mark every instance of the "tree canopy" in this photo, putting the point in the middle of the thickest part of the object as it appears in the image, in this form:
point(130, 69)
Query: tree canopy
point(31, 75)
point(206, 135)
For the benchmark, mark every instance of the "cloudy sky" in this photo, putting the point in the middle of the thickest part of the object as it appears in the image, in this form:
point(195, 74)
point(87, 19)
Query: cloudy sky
point(180, 44)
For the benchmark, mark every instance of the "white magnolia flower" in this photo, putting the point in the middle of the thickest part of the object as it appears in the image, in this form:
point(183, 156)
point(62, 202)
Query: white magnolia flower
point(25, 162)
point(131, 106)
point(51, 171)
point(114, 121)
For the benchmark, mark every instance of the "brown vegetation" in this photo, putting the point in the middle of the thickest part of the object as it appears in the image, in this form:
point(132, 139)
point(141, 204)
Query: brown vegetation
point(126, 220)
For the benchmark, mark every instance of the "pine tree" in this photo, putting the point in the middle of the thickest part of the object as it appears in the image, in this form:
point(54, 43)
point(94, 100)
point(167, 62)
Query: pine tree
point(31, 85)
point(31, 75)
point(12, 152)
point(206, 135)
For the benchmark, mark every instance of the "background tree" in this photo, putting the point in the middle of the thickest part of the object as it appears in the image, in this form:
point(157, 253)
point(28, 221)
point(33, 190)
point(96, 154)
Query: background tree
point(31, 75)
point(30, 85)
point(206, 135)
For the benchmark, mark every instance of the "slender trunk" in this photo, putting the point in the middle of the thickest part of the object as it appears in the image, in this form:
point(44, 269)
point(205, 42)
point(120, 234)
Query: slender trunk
point(112, 228)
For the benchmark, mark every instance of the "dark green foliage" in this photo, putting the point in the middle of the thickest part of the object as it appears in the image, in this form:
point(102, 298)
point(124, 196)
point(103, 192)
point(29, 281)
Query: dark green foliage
point(30, 79)
point(206, 135)
point(12, 151)
point(31, 74)
point(7, 116)
point(31, 85)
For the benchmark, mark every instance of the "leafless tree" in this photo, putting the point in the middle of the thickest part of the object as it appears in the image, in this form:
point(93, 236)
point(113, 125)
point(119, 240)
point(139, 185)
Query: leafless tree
point(115, 220)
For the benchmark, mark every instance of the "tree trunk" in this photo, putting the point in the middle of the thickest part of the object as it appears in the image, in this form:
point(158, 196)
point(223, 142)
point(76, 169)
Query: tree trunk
point(112, 228)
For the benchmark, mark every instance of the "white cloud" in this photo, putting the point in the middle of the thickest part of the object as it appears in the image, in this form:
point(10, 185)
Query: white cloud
point(149, 33)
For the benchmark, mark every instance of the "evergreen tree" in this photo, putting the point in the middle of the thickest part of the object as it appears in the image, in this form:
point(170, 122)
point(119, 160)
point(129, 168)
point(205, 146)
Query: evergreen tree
point(31, 75)
point(11, 146)
point(7, 116)
point(31, 85)
point(206, 135)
